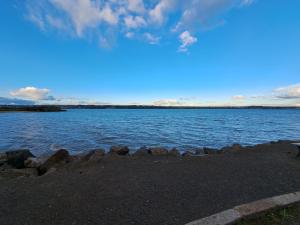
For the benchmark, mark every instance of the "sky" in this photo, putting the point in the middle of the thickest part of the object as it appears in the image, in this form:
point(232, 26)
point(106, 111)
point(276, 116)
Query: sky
point(155, 52)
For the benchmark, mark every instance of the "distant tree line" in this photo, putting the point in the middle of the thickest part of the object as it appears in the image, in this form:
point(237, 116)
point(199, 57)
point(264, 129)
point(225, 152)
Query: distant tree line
point(30, 108)
point(59, 108)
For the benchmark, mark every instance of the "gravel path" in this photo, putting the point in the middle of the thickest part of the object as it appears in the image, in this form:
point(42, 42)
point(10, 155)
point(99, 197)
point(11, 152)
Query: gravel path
point(150, 190)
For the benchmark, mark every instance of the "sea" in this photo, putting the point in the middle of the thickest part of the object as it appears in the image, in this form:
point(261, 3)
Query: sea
point(80, 130)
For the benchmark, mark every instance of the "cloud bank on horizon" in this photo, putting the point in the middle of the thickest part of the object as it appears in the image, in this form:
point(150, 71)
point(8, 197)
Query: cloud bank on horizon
point(149, 21)
point(278, 97)
point(33, 93)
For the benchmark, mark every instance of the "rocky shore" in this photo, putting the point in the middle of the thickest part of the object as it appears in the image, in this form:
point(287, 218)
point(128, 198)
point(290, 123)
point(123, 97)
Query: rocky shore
point(148, 186)
point(24, 163)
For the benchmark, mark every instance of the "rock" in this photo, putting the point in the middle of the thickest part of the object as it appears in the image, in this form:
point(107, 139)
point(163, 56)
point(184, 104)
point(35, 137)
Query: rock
point(94, 155)
point(211, 151)
point(59, 157)
point(34, 162)
point(174, 152)
point(17, 158)
point(143, 151)
point(158, 151)
point(187, 154)
point(3, 158)
point(233, 148)
point(75, 158)
point(119, 150)
point(236, 147)
point(199, 151)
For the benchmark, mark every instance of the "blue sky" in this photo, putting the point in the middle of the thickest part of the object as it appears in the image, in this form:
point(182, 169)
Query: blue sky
point(163, 52)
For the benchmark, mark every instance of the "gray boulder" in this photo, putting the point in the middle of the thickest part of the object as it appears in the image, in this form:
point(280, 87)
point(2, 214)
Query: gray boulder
point(17, 158)
point(236, 147)
point(119, 150)
point(32, 162)
point(60, 157)
point(158, 151)
point(211, 151)
point(143, 151)
point(174, 152)
point(199, 151)
point(3, 158)
point(233, 148)
point(94, 155)
point(187, 154)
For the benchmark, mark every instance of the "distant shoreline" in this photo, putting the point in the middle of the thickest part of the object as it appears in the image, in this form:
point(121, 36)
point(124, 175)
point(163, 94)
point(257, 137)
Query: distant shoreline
point(39, 108)
point(170, 107)
point(60, 108)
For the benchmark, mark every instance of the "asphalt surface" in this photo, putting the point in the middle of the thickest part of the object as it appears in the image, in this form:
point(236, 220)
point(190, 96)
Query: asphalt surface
point(150, 190)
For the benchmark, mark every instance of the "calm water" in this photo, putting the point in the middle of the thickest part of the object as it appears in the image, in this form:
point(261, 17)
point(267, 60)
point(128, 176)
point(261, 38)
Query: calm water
point(80, 130)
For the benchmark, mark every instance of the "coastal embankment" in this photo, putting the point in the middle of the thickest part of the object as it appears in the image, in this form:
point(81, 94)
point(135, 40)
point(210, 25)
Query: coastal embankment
point(149, 186)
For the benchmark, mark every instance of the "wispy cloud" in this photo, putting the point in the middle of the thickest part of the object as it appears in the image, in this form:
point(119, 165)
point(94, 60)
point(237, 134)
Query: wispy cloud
point(159, 14)
point(134, 22)
point(136, 6)
point(238, 97)
point(289, 92)
point(183, 101)
point(169, 102)
point(86, 18)
point(151, 39)
point(247, 2)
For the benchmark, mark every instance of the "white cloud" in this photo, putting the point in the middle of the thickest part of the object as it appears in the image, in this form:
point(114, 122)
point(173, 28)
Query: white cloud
point(169, 102)
point(205, 14)
point(32, 93)
point(186, 40)
point(159, 13)
point(35, 15)
point(136, 6)
point(56, 22)
point(98, 19)
point(86, 13)
point(132, 22)
point(151, 39)
point(247, 2)
point(78, 101)
point(239, 97)
point(37, 20)
point(129, 35)
point(289, 92)
point(185, 101)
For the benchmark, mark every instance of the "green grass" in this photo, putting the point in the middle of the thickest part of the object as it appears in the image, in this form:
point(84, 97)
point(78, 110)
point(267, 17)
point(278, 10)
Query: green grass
point(286, 216)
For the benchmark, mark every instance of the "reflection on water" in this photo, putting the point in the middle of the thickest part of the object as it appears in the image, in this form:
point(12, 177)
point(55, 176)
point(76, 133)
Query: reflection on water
point(80, 130)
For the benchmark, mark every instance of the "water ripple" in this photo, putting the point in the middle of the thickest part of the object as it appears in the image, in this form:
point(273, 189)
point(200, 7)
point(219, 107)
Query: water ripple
point(80, 130)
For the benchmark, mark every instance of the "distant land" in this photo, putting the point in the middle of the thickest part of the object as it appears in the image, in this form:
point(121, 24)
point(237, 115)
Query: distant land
point(60, 108)
point(30, 108)
point(171, 107)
